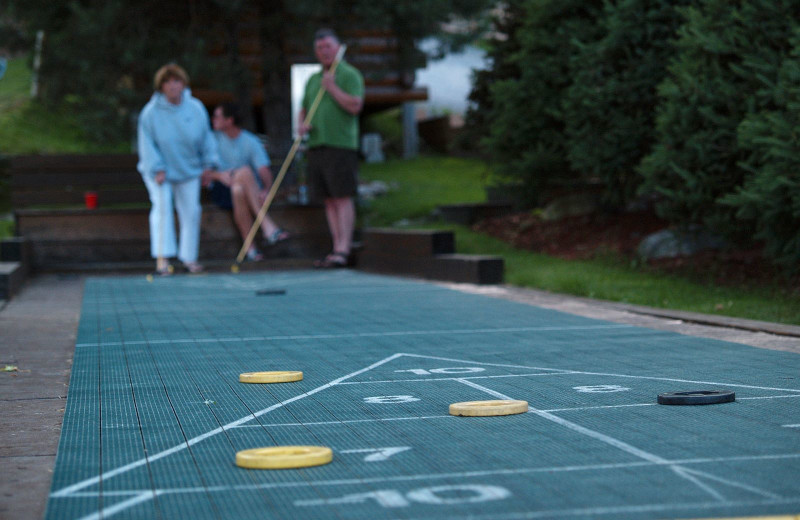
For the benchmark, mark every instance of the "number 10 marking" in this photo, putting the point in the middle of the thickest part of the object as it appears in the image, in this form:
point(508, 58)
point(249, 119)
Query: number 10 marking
point(453, 370)
point(438, 495)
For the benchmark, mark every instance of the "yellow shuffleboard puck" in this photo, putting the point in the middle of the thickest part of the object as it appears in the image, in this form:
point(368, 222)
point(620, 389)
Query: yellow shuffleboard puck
point(282, 376)
point(284, 457)
point(488, 408)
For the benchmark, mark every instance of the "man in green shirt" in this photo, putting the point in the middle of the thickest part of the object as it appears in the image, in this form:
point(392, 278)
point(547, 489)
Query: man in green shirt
point(333, 143)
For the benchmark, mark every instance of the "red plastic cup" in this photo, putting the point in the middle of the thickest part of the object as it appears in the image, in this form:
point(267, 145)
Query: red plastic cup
point(90, 197)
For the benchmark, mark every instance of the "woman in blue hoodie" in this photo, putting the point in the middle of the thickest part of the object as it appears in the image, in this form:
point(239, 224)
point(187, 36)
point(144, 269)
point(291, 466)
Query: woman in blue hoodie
point(176, 146)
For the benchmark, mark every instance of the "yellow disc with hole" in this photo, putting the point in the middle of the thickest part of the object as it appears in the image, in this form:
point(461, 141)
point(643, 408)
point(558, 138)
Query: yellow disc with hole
point(488, 408)
point(281, 376)
point(284, 457)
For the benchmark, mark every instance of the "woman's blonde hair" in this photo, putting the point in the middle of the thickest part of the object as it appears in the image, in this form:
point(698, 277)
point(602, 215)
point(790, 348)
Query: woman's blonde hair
point(169, 71)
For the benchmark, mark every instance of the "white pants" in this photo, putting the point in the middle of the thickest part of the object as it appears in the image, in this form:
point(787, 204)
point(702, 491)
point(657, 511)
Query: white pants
point(186, 197)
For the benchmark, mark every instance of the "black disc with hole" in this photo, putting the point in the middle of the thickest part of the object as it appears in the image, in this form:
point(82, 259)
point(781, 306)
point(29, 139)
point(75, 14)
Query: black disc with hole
point(697, 397)
point(270, 292)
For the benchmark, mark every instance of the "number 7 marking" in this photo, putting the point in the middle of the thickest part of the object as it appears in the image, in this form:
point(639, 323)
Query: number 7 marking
point(379, 454)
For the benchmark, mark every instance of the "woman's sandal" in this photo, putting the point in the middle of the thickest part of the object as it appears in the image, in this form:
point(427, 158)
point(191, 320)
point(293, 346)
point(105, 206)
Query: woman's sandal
point(332, 261)
point(163, 271)
point(193, 267)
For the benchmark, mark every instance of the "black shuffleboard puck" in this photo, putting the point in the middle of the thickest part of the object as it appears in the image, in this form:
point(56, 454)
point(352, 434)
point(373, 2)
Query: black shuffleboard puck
point(692, 397)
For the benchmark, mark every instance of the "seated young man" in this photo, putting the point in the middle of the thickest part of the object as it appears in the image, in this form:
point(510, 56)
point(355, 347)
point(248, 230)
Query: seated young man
point(244, 178)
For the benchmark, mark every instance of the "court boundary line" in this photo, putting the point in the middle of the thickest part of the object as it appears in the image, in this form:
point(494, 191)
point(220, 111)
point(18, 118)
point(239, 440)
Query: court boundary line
point(441, 476)
point(583, 372)
point(348, 335)
point(438, 476)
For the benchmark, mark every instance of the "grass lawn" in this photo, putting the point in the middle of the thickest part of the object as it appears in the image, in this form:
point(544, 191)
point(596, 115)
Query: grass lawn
point(27, 127)
point(421, 185)
point(424, 183)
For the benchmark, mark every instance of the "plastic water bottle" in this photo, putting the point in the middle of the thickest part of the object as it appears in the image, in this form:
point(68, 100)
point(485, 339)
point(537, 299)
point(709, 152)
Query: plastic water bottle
point(303, 198)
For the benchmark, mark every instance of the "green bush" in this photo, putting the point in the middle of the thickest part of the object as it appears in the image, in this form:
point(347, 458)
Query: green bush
point(727, 53)
point(501, 45)
point(526, 128)
point(610, 107)
point(770, 197)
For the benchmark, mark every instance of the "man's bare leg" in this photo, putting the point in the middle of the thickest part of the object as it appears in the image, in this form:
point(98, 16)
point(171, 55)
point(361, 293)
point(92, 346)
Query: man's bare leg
point(341, 216)
point(244, 184)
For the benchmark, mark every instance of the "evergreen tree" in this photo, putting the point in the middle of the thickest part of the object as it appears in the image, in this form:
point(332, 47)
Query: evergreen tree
point(100, 56)
point(502, 44)
point(610, 106)
point(770, 197)
point(526, 138)
point(726, 52)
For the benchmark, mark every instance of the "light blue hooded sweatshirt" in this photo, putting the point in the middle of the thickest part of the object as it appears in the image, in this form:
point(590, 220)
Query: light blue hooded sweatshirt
point(175, 138)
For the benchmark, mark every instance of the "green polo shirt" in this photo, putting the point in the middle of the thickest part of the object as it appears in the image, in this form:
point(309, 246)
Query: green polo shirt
point(331, 124)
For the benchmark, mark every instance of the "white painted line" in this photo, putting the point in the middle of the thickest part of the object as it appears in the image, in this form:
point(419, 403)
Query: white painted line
point(581, 372)
point(767, 397)
point(732, 483)
point(353, 335)
point(106, 475)
point(688, 476)
point(624, 446)
point(424, 417)
point(576, 427)
point(352, 421)
point(126, 504)
point(450, 378)
point(449, 476)
point(618, 510)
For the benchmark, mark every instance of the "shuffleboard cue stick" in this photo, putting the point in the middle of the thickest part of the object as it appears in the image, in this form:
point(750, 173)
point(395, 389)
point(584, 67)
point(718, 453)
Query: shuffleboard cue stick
point(274, 189)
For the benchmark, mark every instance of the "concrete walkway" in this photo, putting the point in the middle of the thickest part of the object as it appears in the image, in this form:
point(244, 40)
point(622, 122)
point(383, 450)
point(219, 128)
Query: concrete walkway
point(37, 336)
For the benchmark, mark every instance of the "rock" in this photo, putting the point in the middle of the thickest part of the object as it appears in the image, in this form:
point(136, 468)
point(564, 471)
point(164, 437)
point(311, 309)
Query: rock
point(571, 206)
point(670, 243)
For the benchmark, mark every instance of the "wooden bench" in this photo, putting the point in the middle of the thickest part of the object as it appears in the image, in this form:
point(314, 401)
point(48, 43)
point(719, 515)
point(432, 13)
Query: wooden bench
point(61, 180)
point(47, 196)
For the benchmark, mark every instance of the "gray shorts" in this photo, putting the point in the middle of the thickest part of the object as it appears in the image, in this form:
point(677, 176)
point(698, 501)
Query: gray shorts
point(331, 173)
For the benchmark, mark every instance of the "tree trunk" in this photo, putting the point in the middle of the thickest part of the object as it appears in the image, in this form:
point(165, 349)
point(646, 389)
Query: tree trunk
point(241, 81)
point(277, 108)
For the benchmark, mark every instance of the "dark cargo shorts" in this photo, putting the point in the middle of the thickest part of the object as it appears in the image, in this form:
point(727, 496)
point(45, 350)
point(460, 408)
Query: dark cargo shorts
point(332, 173)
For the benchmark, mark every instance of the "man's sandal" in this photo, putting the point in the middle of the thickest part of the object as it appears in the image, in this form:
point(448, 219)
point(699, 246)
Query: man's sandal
point(253, 255)
point(332, 261)
point(279, 235)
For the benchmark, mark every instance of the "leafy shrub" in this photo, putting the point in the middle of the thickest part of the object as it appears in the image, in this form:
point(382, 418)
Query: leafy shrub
point(526, 137)
point(770, 197)
point(727, 53)
point(610, 106)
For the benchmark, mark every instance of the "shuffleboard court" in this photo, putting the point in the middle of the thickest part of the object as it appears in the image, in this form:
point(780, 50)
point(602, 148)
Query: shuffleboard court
point(156, 413)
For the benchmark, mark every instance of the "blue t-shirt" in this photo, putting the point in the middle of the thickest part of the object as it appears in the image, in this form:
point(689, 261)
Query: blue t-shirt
point(244, 150)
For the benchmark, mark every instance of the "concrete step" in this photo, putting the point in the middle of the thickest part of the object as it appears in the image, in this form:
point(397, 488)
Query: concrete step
point(66, 239)
point(408, 243)
point(12, 277)
point(425, 254)
point(211, 266)
point(476, 269)
point(57, 255)
point(470, 213)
